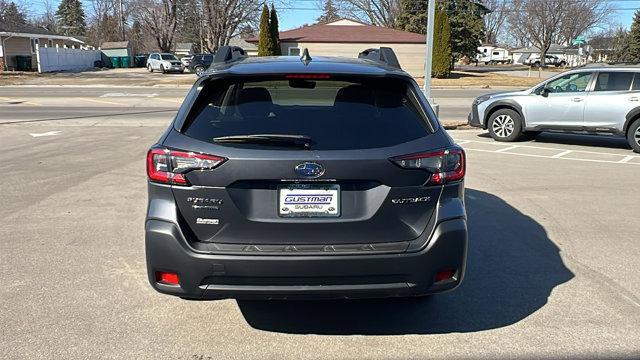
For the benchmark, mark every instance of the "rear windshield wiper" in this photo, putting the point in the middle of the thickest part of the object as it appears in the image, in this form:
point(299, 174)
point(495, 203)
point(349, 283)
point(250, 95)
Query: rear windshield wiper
point(287, 140)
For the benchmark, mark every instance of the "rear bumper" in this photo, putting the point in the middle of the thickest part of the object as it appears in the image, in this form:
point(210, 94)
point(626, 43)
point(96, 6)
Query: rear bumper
point(208, 276)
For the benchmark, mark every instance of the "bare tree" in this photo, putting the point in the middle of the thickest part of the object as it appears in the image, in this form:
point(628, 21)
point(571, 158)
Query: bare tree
point(376, 12)
point(225, 18)
point(494, 21)
point(158, 17)
point(544, 22)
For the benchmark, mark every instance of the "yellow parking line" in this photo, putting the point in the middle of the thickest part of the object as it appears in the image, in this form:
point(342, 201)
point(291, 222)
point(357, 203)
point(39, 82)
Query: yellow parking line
point(100, 101)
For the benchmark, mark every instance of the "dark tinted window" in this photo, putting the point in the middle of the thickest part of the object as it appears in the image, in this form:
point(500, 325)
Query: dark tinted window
point(636, 82)
point(613, 81)
point(208, 57)
point(336, 114)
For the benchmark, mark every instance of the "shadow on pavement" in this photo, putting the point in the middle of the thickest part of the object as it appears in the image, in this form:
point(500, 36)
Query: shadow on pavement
point(601, 141)
point(512, 268)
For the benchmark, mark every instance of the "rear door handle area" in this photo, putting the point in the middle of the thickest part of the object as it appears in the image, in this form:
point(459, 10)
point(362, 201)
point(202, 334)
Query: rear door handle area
point(577, 99)
point(634, 98)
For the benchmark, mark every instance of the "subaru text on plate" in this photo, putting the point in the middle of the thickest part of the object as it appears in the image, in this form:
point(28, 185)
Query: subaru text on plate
point(287, 177)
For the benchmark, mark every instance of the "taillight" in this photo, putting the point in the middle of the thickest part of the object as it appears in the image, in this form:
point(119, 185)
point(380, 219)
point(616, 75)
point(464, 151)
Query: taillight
point(169, 166)
point(444, 165)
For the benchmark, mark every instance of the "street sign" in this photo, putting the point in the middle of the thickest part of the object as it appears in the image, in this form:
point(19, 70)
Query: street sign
point(579, 40)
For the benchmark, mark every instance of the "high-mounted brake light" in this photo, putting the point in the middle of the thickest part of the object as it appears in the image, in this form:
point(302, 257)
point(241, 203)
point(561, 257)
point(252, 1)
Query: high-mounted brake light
point(307, 76)
point(444, 165)
point(169, 166)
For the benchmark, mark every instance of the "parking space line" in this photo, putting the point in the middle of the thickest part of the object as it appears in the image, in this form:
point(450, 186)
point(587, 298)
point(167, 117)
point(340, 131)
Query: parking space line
point(496, 143)
point(559, 155)
point(627, 159)
point(463, 142)
point(507, 148)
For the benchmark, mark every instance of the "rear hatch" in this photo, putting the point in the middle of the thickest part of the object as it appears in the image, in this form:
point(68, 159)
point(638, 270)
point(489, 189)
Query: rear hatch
point(306, 160)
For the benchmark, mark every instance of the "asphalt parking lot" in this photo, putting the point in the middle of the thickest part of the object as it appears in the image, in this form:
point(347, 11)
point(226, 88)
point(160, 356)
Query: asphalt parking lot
point(553, 260)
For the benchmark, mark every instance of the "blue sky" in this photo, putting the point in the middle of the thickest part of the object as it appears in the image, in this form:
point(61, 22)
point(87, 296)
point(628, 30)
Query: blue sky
point(292, 18)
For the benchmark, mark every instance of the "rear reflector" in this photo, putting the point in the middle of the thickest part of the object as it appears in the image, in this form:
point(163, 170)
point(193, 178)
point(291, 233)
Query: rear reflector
point(444, 165)
point(167, 278)
point(169, 166)
point(446, 274)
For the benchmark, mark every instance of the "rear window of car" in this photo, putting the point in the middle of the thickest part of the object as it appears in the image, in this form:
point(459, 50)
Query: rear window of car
point(614, 81)
point(636, 82)
point(338, 114)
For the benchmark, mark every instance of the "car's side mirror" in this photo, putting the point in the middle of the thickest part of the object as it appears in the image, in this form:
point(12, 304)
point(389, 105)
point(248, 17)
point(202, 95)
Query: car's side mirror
point(544, 92)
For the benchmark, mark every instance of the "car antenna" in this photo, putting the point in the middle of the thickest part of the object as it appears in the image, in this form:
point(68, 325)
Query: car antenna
point(305, 58)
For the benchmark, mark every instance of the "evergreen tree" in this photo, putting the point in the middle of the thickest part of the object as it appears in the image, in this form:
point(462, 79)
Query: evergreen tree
point(329, 12)
point(274, 32)
point(441, 61)
point(633, 40)
point(11, 15)
point(265, 46)
point(413, 16)
point(465, 21)
point(467, 27)
point(71, 18)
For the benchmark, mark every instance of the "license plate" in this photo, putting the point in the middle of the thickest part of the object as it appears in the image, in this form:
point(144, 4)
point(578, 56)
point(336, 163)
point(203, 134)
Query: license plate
point(302, 200)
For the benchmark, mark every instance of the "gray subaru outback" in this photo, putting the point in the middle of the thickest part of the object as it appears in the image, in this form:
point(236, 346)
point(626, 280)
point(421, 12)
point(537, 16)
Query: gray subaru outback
point(593, 99)
point(287, 177)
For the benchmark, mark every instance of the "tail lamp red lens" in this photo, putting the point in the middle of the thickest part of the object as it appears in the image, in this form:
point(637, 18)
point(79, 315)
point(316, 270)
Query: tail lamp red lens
point(444, 165)
point(169, 166)
point(167, 278)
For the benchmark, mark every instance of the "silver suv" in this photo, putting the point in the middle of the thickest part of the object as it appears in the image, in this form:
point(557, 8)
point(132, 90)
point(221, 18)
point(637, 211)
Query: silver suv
point(602, 99)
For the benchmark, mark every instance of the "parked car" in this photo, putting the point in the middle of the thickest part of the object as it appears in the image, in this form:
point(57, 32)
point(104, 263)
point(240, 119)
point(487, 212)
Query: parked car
point(200, 63)
point(186, 60)
point(534, 60)
point(313, 177)
point(592, 99)
point(164, 62)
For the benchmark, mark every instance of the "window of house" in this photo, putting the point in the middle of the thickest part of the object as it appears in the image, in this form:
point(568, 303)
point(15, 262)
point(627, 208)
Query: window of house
point(294, 51)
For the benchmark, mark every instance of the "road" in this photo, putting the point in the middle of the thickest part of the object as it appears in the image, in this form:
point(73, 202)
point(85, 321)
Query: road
point(553, 266)
point(36, 103)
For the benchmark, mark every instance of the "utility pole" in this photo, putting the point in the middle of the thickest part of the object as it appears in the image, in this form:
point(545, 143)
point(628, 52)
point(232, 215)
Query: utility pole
point(431, 13)
point(122, 20)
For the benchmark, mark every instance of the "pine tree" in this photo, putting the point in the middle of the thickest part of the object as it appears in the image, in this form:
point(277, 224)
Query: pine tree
point(413, 16)
point(12, 15)
point(441, 60)
point(273, 31)
point(633, 40)
point(329, 13)
point(264, 40)
point(71, 19)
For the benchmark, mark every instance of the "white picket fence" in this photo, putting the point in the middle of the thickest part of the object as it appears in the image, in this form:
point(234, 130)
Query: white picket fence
point(66, 59)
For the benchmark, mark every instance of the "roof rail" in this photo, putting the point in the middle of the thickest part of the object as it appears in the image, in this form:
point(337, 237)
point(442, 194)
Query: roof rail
point(610, 64)
point(383, 55)
point(229, 53)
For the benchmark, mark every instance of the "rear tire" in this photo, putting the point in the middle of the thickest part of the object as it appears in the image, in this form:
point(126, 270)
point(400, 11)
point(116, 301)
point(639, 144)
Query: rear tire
point(199, 70)
point(633, 136)
point(505, 125)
